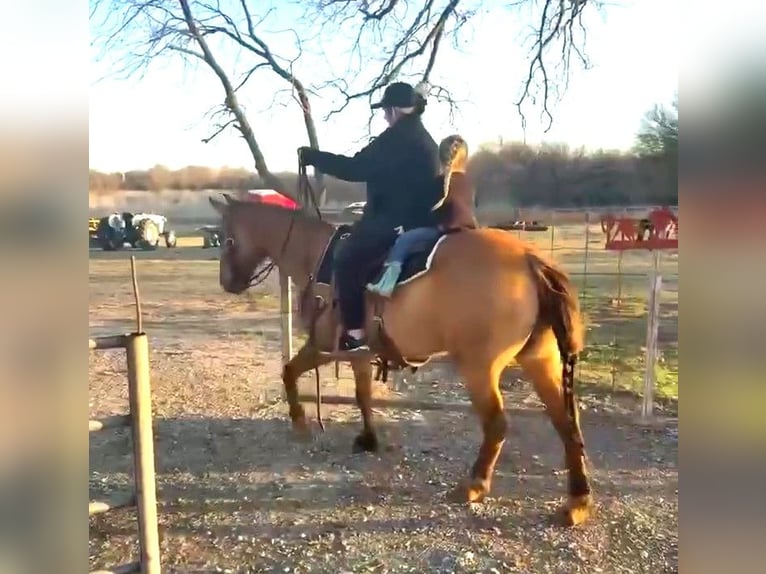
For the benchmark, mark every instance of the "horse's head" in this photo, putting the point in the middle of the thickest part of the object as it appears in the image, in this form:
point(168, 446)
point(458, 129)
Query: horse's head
point(241, 251)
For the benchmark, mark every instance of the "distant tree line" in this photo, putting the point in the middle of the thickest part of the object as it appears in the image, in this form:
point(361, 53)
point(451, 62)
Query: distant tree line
point(554, 175)
point(197, 178)
point(513, 173)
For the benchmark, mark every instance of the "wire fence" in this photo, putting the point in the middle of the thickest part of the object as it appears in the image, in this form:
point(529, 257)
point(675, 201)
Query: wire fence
point(614, 291)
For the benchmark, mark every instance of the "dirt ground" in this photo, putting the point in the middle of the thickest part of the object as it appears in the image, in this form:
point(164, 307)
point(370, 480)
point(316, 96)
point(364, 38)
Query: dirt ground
point(238, 494)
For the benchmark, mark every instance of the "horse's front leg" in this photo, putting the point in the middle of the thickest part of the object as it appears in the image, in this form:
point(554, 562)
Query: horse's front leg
point(367, 440)
point(304, 360)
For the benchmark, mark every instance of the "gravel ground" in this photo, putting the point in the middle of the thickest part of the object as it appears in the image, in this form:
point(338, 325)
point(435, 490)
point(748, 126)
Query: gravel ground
point(239, 494)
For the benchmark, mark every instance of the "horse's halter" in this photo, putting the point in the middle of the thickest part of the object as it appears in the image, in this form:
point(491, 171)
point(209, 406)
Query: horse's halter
point(229, 255)
point(259, 274)
point(262, 272)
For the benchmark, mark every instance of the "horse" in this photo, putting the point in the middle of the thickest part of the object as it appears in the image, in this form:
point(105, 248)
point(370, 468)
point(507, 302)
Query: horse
point(481, 297)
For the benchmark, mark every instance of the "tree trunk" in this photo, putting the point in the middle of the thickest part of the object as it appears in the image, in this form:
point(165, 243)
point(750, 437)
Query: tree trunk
point(233, 106)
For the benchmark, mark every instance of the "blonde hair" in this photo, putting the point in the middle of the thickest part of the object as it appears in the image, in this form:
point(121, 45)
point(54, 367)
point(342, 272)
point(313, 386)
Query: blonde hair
point(453, 154)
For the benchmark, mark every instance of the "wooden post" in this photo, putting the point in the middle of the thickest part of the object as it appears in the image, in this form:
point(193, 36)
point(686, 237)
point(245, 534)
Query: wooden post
point(286, 316)
point(617, 322)
point(136, 295)
point(652, 330)
point(553, 230)
point(587, 251)
point(140, 395)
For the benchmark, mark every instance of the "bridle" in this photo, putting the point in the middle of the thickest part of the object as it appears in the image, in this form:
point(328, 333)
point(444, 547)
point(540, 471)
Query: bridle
point(260, 273)
point(305, 191)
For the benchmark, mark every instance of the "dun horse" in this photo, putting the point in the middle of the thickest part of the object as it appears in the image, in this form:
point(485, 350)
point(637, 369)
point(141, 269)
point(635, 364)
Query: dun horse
point(482, 297)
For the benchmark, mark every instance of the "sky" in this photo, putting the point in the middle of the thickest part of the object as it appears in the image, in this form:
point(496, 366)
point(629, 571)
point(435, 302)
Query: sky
point(159, 117)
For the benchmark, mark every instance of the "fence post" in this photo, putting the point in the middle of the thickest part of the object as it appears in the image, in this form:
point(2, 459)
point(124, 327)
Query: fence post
point(286, 316)
point(587, 251)
point(652, 330)
point(140, 393)
point(553, 230)
point(618, 321)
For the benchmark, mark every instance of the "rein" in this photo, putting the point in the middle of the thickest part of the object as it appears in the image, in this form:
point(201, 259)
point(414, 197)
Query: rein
point(305, 191)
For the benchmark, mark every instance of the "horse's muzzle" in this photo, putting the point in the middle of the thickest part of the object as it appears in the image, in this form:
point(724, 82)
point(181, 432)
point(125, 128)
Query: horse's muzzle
point(235, 287)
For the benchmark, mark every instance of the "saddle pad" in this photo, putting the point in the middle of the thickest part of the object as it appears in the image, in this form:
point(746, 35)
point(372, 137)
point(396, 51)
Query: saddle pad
point(416, 264)
point(418, 261)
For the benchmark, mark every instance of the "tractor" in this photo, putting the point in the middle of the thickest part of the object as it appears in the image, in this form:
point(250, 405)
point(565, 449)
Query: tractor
point(93, 231)
point(211, 236)
point(140, 230)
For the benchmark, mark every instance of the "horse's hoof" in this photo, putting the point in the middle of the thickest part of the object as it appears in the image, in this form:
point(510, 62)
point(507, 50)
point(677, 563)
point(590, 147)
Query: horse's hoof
point(472, 490)
point(576, 511)
point(302, 430)
point(365, 442)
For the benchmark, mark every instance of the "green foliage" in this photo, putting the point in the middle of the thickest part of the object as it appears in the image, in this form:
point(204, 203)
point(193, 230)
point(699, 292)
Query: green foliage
point(658, 136)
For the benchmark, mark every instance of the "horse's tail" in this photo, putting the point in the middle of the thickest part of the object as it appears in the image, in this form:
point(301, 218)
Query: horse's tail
point(559, 309)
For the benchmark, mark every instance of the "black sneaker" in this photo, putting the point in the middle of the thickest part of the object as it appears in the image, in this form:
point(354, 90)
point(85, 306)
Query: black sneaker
point(349, 344)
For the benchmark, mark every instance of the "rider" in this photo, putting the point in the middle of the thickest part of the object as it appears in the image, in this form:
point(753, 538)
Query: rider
point(452, 210)
point(399, 167)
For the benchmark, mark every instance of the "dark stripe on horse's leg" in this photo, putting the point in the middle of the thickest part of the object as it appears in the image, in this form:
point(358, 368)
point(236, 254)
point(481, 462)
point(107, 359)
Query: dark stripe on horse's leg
point(367, 440)
point(304, 360)
point(542, 364)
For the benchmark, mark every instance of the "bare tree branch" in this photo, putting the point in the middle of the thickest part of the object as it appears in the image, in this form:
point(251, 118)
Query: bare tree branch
point(559, 34)
point(218, 131)
point(402, 52)
point(557, 22)
point(255, 44)
point(242, 123)
point(381, 12)
point(188, 31)
point(389, 39)
point(250, 72)
point(443, 95)
point(187, 52)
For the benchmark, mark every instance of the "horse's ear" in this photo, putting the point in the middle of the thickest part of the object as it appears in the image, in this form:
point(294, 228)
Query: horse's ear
point(218, 205)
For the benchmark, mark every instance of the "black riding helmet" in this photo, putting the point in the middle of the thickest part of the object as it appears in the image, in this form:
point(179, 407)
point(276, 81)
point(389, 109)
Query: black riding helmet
point(400, 95)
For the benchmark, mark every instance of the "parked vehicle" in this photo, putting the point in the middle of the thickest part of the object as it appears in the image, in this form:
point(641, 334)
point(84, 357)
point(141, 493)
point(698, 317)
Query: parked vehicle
point(522, 225)
point(211, 236)
point(140, 230)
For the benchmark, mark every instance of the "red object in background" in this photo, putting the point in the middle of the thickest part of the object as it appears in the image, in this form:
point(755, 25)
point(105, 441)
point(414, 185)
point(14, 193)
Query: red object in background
point(271, 197)
point(659, 230)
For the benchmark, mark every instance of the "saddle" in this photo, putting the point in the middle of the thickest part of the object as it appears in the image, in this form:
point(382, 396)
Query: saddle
point(383, 351)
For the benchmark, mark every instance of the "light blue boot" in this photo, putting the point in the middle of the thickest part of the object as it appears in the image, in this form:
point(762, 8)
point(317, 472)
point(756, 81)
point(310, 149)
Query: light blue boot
point(387, 283)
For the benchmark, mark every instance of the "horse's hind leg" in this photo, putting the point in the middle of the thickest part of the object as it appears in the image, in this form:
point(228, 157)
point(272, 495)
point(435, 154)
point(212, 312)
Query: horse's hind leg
point(367, 440)
point(482, 382)
point(304, 360)
point(541, 362)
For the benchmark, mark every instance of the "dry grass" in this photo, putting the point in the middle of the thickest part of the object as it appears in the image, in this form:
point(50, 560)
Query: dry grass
point(238, 494)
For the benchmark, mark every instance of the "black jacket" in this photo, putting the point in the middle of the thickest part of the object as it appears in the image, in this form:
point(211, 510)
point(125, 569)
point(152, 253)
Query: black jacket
point(399, 168)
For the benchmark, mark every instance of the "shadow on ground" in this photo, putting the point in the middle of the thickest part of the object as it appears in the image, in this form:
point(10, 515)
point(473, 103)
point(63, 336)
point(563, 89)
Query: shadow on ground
point(262, 460)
